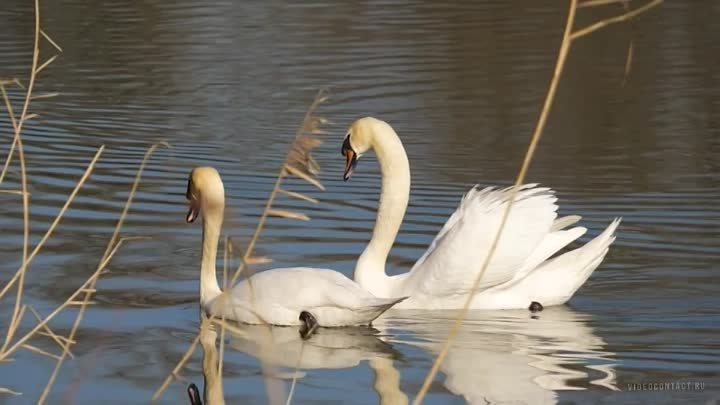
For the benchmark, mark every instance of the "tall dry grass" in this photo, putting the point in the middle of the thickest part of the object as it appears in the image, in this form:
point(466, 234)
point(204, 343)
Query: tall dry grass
point(82, 296)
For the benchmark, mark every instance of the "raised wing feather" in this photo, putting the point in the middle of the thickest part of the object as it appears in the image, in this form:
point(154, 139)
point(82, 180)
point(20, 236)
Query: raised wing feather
point(457, 254)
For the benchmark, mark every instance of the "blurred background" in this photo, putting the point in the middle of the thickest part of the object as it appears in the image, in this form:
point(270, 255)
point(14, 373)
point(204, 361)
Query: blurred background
point(227, 83)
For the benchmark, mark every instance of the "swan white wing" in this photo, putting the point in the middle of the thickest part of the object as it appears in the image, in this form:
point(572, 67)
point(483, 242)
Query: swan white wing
point(551, 244)
point(557, 279)
point(304, 288)
point(277, 296)
point(564, 222)
point(474, 193)
point(457, 254)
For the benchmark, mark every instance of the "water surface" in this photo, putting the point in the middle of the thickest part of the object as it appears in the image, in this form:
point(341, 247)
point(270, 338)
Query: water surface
point(227, 83)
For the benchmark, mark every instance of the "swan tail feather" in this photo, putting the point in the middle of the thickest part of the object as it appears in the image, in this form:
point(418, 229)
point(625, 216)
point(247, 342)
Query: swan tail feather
point(550, 245)
point(564, 222)
point(595, 253)
point(388, 303)
point(383, 305)
point(556, 280)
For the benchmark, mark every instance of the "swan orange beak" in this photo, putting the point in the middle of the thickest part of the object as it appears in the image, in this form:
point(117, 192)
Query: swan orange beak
point(193, 212)
point(350, 159)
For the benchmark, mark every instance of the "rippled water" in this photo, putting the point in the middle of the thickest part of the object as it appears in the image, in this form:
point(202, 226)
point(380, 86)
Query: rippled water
point(226, 83)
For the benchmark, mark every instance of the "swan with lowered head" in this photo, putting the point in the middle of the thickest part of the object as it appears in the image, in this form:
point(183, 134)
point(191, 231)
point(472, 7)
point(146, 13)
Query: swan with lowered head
point(288, 296)
point(520, 272)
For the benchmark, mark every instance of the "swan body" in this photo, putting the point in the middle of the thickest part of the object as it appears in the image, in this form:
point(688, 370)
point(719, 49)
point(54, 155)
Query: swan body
point(522, 269)
point(274, 296)
point(280, 295)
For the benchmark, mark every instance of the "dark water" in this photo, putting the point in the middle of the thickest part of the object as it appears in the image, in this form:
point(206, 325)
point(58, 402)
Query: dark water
point(226, 83)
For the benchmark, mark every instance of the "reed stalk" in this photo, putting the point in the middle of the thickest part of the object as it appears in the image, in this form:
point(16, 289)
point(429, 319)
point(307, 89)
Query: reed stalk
point(112, 247)
point(11, 344)
point(23, 173)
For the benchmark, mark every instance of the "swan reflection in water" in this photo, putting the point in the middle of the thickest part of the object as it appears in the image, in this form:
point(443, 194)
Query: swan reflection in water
point(511, 356)
point(213, 385)
point(283, 348)
point(498, 357)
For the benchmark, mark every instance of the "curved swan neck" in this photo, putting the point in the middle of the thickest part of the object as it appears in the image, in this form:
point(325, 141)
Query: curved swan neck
point(394, 194)
point(212, 223)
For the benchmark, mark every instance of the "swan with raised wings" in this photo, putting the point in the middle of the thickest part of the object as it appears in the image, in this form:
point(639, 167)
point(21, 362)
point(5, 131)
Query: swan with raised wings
point(521, 271)
point(287, 296)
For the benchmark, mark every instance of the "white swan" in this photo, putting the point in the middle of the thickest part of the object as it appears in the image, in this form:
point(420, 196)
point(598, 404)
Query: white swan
point(520, 271)
point(276, 296)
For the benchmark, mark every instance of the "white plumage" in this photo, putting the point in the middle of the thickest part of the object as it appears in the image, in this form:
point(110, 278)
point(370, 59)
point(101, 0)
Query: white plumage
point(521, 270)
point(274, 296)
point(278, 296)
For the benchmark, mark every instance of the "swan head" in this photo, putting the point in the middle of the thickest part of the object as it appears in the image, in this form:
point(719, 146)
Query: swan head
point(359, 139)
point(204, 191)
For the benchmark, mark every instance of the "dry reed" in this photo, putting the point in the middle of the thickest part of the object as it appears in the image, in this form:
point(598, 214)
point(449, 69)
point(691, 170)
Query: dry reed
point(569, 35)
point(11, 344)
